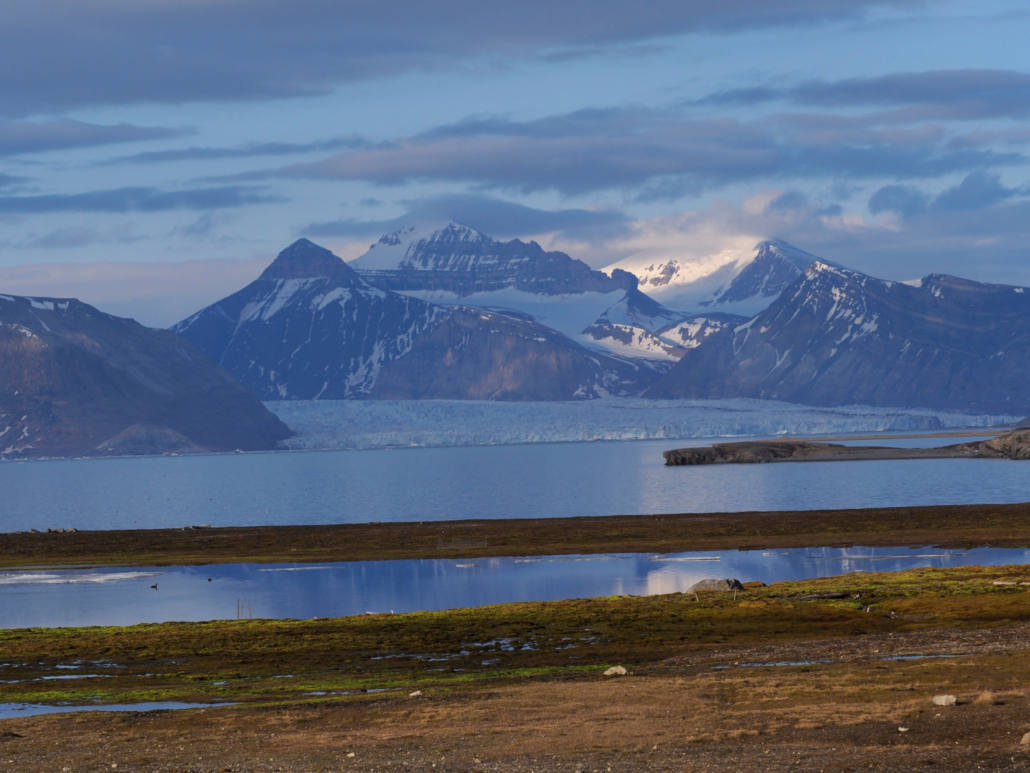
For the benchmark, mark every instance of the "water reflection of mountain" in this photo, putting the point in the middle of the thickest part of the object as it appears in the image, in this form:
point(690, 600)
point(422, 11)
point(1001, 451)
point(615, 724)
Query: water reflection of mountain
point(353, 588)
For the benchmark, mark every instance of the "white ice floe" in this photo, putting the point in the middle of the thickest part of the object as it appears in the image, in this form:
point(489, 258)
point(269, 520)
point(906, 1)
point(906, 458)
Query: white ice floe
point(63, 578)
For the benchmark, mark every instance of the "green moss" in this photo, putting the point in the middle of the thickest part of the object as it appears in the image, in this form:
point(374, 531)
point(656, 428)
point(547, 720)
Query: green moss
point(284, 660)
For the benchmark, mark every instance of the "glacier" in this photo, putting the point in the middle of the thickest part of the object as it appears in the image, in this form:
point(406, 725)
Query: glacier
point(371, 424)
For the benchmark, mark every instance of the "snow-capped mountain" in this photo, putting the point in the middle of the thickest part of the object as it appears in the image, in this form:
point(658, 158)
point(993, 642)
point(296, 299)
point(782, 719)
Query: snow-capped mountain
point(729, 282)
point(76, 381)
point(453, 265)
point(310, 327)
point(455, 259)
point(839, 337)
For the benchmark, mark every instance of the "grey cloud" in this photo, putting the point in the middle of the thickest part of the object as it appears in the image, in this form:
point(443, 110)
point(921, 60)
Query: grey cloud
point(987, 244)
point(982, 93)
point(904, 200)
point(498, 218)
point(73, 237)
point(938, 94)
point(624, 51)
point(56, 55)
point(136, 200)
point(201, 228)
point(786, 201)
point(981, 137)
point(246, 151)
point(19, 137)
point(659, 154)
point(976, 191)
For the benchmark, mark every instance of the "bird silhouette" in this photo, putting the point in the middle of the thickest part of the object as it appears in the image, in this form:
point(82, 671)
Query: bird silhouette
point(154, 586)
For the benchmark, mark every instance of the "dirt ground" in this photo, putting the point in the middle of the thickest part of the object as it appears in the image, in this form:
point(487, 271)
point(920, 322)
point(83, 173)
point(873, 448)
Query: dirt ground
point(696, 713)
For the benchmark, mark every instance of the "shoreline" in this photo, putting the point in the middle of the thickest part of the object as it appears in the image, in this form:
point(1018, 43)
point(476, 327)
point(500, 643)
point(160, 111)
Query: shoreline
point(1012, 445)
point(946, 526)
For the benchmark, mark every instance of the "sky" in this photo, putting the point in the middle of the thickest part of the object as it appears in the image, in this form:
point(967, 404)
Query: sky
point(154, 157)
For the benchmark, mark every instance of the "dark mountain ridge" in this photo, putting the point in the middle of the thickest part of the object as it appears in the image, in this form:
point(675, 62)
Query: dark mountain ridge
point(310, 327)
point(775, 267)
point(839, 337)
point(76, 381)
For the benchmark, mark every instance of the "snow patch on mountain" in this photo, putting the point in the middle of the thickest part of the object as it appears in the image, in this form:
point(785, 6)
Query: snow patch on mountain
point(428, 247)
point(732, 281)
point(584, 317)
point(349, 424)
point(569, 313)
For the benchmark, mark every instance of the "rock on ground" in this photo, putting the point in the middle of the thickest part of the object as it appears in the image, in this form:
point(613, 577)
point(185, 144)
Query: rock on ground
point(724, 584)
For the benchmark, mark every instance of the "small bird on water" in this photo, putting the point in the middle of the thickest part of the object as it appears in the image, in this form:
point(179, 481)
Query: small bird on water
point(154, 586)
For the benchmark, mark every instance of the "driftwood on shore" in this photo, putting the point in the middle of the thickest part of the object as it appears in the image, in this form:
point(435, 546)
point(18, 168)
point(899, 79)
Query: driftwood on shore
point(1014, 445)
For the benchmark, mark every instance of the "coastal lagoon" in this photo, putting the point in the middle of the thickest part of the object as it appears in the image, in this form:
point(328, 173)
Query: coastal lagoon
point(124, 596)
point(552, 480)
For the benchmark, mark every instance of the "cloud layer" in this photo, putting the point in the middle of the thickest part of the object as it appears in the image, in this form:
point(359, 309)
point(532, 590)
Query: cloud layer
point(20, 137)
point(657, 153)
point(498, 218)
point(136, 199)
point(939, 94)
point(56, 55)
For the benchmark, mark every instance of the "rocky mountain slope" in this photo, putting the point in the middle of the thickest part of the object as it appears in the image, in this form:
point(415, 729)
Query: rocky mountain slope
point(75, 381)
point(639, 324)
point(453, 258)
point(452, 265)
point(838, 337)
point(727, 282)
point(310, 327)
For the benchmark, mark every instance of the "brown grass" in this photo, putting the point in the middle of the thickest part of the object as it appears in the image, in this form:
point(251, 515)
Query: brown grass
point(956, 526)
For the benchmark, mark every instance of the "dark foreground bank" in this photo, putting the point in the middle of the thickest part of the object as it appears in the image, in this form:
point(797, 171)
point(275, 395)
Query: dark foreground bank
point(959, 526)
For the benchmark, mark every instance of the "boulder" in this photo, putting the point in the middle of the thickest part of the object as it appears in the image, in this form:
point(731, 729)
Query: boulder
point(724, 584)
point(1025, 739)
point(944, 700)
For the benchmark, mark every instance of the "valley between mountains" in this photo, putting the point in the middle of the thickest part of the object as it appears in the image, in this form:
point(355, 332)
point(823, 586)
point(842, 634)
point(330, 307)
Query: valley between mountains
point(443, 312)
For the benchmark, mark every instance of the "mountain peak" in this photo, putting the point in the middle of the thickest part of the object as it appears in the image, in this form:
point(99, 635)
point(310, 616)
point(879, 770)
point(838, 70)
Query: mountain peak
point(402, 247)
point(304, 260)
point(788, 252)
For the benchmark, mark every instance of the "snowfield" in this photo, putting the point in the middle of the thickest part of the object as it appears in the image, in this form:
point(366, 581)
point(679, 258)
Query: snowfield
point(367, 424)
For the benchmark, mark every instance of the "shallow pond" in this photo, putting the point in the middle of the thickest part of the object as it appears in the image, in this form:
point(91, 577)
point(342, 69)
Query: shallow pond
point(123, 596)
point(13, 710)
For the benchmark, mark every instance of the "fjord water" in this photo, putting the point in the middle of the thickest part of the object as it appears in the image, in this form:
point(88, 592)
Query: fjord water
point(520, 481)
point(425, 484)
point(119, 596)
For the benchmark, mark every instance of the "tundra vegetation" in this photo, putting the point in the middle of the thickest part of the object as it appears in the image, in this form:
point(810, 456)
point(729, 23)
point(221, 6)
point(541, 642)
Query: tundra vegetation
point(795, 675)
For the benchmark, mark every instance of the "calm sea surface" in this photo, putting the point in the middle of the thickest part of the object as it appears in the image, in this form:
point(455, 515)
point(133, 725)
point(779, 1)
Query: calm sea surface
point(120, 596)
point(520, 481)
